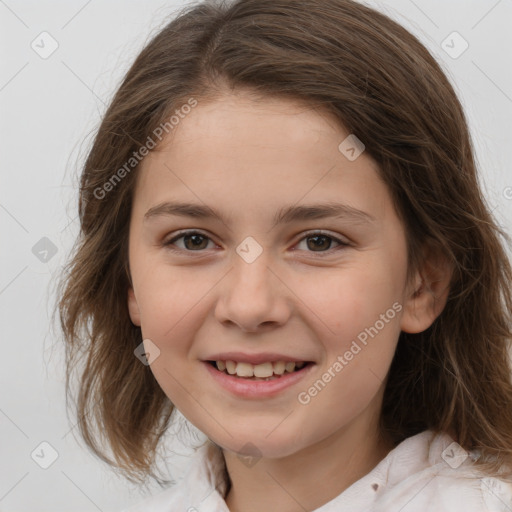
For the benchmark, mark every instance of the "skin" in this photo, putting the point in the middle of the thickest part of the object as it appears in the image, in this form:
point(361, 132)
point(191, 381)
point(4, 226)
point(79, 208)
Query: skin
point(248, 158)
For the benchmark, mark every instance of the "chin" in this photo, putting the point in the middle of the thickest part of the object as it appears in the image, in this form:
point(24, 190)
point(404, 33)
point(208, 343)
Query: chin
point(258, 443)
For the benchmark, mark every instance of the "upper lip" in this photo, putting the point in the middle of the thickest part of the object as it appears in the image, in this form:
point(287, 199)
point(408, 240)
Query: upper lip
point(265, 357)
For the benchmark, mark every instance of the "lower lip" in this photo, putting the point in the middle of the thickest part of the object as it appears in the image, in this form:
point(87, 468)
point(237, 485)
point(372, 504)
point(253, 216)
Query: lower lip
point(247, 388)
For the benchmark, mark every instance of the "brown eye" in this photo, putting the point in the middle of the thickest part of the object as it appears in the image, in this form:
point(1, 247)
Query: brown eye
point(195, 241)
point(192, 241)
point(320, 242)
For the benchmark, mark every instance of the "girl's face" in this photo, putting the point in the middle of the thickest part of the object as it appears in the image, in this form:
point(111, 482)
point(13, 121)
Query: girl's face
point(267, 273)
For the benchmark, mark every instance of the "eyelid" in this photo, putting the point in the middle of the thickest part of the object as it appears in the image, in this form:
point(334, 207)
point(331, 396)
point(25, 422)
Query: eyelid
point(336, 237)
point(179, 234)
point(303, 235)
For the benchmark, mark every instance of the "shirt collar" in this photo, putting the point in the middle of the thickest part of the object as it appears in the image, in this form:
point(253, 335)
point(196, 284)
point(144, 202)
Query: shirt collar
point(208, 479)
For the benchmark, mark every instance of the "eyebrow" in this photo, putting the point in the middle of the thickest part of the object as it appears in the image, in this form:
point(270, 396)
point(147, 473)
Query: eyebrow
point(287, 214)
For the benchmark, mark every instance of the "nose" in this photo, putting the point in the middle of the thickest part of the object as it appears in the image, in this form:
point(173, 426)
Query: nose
point(253, 296)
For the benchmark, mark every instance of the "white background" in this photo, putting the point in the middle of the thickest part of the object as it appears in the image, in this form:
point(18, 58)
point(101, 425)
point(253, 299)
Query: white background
point(49, 108)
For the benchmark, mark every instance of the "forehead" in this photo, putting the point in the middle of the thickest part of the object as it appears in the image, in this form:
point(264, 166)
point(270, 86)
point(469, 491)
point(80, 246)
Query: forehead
point(266, 150)
point(255, 121)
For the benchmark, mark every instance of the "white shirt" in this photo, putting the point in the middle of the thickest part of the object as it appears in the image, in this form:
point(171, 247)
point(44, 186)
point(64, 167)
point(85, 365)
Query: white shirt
point(422, 474)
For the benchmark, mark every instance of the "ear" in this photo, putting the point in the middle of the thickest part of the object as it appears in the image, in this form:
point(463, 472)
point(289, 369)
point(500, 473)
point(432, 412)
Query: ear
point(133, 307)
point(428, 296)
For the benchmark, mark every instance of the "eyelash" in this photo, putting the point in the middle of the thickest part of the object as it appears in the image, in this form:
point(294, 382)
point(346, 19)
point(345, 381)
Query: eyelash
point(309, 234)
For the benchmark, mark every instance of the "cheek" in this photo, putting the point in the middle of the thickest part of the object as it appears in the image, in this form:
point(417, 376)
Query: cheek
point(167, 300)
point(360, 310)
point(170, 320)
point(173, 305)
point(357, 360)
point(349, 301)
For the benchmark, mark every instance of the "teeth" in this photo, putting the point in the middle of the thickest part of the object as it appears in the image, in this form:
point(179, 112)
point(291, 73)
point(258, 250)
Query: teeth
point(262, 371)
point(231, 367)
point(279, 367)
point(244, 370)
point(289, 367)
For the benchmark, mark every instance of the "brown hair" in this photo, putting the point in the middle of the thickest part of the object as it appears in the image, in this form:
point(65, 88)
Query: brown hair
point(383, 85)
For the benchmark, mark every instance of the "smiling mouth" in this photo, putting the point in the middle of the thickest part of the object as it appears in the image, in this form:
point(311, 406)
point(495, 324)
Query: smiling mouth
point(265, 371)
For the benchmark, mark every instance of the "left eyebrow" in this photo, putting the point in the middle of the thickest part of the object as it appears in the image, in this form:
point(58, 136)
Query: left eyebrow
point(287, 214)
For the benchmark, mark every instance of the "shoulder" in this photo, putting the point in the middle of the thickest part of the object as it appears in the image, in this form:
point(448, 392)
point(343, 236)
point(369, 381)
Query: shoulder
point(165, 501)
point(202, 488)
point(430, 472)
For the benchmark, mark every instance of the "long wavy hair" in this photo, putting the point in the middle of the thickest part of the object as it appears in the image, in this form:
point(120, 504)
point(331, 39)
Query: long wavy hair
point(384, 86)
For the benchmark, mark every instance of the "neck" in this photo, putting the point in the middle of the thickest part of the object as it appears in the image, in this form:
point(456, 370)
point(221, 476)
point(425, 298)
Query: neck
point(307, 479)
